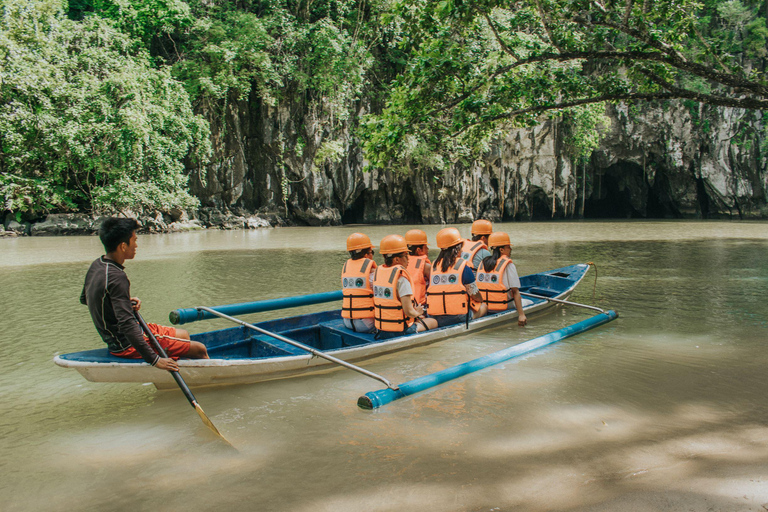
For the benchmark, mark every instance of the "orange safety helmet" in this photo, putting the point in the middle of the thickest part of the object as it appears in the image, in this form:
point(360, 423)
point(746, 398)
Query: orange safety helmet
point(498, 239)
point(448, 237)
point(393, 244)
point(357, 241)
point(416, 237)
point(482, 227)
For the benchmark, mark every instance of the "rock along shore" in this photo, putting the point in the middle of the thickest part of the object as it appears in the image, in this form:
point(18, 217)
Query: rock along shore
point(61, 224)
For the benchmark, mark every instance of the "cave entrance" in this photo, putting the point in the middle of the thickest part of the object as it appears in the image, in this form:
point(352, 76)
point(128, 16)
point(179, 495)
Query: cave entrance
point(541, 205)
point(623, 191)
point(611, 195)
point(355, 214)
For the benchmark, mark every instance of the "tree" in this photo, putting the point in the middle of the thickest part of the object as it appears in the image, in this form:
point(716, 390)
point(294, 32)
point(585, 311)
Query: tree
point(86, 121)
point(477, 65)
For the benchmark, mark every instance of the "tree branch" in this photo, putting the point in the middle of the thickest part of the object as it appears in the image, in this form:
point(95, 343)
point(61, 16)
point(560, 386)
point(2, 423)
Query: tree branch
point(545, 24)
point(628, 11)
point(675, 93)
point(696, 69)
point(503, 45)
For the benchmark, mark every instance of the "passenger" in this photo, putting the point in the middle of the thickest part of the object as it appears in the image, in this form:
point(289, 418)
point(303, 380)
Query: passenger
point(476, 250)
point(357, 284)
point(452, 284)
point(419, 266)
point(107, 293)
point(497, 278)
point(396, 315)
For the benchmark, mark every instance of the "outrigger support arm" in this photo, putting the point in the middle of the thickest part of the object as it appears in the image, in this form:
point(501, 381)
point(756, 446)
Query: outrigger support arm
point(559, 301)
point(297, 344)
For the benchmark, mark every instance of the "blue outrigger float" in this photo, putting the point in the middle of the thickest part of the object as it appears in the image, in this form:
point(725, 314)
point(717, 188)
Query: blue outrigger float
point(306, 343)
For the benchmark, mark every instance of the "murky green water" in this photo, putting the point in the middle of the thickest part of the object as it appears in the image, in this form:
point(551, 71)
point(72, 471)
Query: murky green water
point(663, 409)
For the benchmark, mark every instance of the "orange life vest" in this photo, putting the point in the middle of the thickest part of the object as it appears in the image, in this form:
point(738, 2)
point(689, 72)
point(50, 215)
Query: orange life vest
point(446, 294)
point(416, 271)
point(389, 315)
point(358, 295)
point(470, 249)
point(491, 285)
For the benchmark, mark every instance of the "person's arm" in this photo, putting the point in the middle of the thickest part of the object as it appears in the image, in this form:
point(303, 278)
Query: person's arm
point(83, 299)
point(521, 318)
point(405, 292)
point(468, 280)
point(408, 307)
point(512, 282)
point(118, 288)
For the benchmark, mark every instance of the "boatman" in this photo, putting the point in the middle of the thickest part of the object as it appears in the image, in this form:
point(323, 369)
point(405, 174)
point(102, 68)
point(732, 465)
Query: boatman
point(357, 284)
point(107, 293)
point(475, 250)
point(419, 266)
point(395, 312)
point(497, 278)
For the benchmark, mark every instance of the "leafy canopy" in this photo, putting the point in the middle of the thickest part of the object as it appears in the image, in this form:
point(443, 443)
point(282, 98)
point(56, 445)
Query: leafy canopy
point(86, 121)
point(476, 66)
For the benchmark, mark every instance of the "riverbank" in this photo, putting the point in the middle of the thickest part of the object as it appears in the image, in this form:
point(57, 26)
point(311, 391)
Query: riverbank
point(63, 224)
point(180, 221)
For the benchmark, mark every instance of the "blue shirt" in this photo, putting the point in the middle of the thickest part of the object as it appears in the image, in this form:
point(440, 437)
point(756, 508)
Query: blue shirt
point(468, 276)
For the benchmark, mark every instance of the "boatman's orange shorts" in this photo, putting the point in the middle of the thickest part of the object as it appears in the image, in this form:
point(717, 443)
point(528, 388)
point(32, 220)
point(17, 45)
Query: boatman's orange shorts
point(174, 348)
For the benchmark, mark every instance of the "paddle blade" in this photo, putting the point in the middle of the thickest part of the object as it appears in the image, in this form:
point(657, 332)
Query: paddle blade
point(210, 425)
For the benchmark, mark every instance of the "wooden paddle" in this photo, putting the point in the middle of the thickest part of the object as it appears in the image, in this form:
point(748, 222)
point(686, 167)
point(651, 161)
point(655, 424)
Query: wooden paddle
point(180, 380)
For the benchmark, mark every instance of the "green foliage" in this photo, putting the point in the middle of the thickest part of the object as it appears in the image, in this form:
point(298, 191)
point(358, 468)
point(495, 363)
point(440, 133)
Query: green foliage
point(142, 20)
point(275, 49)
point(329, 152)
point(584, 126)
point(475, 69)
point(85, 120)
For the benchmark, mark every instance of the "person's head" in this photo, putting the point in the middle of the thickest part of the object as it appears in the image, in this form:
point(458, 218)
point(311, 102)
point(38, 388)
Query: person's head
point(116, 231)
point(481, 229)
point(359, 246)
point(417, 242)
point(500, 245)
point(449, 241)
point(395, 250)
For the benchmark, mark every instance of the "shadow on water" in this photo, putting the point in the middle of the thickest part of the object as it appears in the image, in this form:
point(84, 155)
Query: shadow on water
point(663, 409)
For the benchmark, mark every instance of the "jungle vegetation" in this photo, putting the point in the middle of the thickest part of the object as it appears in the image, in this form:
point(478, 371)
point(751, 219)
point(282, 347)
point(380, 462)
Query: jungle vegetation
point(102, 101)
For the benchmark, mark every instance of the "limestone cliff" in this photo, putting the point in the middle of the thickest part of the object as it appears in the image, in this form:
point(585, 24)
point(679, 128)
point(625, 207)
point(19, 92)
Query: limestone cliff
point(656, 161)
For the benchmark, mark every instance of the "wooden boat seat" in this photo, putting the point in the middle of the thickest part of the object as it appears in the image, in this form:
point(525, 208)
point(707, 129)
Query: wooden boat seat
point(334, 335)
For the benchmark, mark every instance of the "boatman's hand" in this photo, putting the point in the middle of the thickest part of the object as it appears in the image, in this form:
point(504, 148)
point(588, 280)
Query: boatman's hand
point(136, 303)
point(166, 363)
point(522, 320)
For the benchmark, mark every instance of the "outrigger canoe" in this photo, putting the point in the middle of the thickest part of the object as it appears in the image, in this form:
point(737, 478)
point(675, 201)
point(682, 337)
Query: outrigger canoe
point(240, 355)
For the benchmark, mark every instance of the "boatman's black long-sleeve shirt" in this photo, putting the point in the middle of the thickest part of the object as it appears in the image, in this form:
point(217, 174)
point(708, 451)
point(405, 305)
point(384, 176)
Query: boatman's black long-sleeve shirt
point(107, 293)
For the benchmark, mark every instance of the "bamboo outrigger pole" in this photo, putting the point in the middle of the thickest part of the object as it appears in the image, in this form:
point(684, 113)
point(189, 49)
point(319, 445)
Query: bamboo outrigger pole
point(186, 315)
point(376, 399)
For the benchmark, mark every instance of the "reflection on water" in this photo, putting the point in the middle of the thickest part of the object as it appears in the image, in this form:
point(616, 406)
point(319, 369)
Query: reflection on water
point(663, 409)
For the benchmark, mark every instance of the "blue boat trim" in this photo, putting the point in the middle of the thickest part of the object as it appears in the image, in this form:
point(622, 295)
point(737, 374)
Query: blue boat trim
point(186, 315)
point(376, 399)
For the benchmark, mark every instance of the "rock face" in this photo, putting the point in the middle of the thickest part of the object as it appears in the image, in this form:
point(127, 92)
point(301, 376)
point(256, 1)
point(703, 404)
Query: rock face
point(655, 161)
point(63, 224)
point(151, 222)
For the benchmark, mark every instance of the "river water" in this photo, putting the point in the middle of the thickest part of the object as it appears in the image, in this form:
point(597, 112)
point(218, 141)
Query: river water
point(665, 408)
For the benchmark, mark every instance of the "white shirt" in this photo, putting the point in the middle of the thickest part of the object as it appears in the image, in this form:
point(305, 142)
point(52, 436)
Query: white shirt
point(510, 279)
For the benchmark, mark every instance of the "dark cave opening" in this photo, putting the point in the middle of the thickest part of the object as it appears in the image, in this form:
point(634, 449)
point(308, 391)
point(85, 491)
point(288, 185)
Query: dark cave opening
point(613, 191)
point(541, 205)
point(355, 214)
